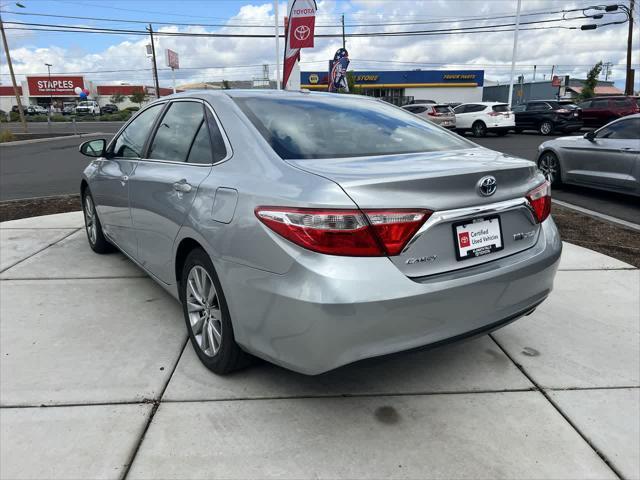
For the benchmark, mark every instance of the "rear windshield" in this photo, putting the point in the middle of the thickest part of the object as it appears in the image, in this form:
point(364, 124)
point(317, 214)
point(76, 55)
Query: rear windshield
point(443, 109)
point(501, 108)
point(306, 126)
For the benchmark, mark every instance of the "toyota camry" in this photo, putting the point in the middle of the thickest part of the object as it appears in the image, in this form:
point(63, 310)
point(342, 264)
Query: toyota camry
point(314, 230)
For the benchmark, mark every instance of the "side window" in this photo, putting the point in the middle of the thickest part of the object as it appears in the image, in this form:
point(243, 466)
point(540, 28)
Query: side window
point(131, 141)
point(624, 130)
point(474, 108)
point(420, 109)
point(460, 109)
point(176, 131)
point(217, 142)
point(201, 149)
point(602, 103)
point(586, 104)
point(621, 102)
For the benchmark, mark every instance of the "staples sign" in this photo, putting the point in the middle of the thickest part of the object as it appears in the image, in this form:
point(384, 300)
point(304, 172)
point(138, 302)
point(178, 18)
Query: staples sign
point(56, 85)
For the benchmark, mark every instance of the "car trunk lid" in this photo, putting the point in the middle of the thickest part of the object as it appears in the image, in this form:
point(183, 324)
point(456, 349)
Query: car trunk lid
point(445, 183)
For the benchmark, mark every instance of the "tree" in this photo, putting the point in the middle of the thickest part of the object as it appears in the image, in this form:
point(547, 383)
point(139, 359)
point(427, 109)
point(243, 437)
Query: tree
point(138, 96)
point(117, 98)
point(588, 90)
point(225, 84)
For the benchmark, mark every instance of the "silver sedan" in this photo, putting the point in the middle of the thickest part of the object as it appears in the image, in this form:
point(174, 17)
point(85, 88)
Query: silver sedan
point(314, 230)
point(608, 158)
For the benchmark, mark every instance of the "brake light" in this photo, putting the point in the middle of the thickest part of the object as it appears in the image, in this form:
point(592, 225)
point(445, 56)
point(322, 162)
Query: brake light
point(563, 110)
point(540, 201)
point(494, 114)
point(354, 233)
point(433, 113)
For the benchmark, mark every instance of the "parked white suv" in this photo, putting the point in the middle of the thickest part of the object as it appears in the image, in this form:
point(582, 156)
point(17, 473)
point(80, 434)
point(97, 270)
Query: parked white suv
point(89, 107)
point(483, 117)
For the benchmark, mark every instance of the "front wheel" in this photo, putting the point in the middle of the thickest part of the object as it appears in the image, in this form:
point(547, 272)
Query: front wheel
point(550, 167)
point(207, 316)
point(97, 240)
point(479, 129)
point(545, 128)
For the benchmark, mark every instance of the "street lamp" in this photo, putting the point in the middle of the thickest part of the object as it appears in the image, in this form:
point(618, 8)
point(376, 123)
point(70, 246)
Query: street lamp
point(50, 88)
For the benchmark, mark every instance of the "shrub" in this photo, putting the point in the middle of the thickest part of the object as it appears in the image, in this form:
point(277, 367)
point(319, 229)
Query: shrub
point(6, 136)
point(120, 116)
point(132, 109)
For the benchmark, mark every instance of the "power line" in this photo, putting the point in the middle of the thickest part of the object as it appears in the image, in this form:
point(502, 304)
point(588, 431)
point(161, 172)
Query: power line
point(449, 31)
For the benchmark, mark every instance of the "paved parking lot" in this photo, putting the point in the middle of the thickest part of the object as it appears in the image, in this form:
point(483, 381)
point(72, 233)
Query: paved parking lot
point(98, 381)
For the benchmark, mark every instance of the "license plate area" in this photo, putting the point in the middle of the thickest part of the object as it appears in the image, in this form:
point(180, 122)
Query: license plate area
point(477, 237)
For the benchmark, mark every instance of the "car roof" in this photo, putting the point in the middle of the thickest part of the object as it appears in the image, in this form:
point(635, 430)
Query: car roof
point(484, 103)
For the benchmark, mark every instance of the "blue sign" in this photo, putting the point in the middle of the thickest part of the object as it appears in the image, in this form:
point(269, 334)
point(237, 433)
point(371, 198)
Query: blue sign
point(401, 79)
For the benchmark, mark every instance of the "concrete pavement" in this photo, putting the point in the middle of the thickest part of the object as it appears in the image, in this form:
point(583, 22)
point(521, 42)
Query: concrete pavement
point(97, 378)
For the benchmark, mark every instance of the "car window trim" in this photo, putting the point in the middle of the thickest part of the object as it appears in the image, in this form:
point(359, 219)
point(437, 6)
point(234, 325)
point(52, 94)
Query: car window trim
point(133, 117)
point(166, 103)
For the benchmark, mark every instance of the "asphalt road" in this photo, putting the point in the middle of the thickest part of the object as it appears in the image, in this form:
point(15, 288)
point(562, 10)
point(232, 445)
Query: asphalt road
point(64, 127)
point(53, 168)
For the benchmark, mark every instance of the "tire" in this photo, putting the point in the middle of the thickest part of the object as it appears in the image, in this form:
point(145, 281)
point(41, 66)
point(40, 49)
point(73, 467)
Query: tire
point(217, 350)
point(545, 128)
point(479, 129)
point(93, 227)
point(549, 165)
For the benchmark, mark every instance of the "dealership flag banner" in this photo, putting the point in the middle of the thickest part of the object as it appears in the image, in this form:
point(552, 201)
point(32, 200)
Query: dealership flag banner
point(338, 71)
point(299, 33)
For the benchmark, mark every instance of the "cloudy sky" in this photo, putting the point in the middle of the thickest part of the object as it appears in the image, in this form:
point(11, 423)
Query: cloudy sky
point(115, 58)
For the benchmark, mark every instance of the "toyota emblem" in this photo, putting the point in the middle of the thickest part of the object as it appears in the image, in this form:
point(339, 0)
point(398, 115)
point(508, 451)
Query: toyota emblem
point(302, 32)
point(487, 186)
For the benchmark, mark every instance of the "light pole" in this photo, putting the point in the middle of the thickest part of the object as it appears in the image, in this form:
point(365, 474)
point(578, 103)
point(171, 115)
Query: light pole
point(49, 65)
point(514, 54)
point(13, 76)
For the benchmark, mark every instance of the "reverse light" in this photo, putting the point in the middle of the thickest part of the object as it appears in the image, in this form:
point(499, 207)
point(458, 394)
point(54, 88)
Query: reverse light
point(354, 233)
point(540, 201)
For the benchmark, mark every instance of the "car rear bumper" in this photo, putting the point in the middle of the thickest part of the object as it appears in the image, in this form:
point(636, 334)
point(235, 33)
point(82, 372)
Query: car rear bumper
point(330, 311)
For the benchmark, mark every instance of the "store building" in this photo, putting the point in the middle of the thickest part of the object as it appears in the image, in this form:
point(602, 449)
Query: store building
point(402, 87)
point(545, 90)
point(60, 90)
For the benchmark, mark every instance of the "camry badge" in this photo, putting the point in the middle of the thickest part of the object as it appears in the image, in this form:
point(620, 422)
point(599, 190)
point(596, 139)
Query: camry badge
point(487, 186)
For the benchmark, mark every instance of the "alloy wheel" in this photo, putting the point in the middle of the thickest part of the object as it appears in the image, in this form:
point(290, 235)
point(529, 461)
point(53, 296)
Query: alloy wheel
point(546, 128)
point(203, 307)
point(549, 167)
point(479, 130)
point(90, 219)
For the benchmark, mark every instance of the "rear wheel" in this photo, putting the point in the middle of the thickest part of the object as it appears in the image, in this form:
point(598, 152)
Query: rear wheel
point(545, 128)
point(479, 129)
point(550, 167)
point(97, 240)
point(207, 316)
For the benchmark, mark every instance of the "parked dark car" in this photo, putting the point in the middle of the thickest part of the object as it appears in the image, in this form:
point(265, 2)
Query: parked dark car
point(547, 116)
point(109, 108)
point(14, 109)
point(598, 111)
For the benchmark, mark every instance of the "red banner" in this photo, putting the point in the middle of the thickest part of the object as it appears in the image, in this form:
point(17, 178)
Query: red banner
point(301, 29)
point(54, 86)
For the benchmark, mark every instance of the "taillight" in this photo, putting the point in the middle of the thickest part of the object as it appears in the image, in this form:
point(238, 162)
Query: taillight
point(540, 201)
point(433, 113)
point(494, 114)
point(563, 110)
point(354, 233)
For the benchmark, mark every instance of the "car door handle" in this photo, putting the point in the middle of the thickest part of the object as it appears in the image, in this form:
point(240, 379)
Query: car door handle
point(182, 186)
point(626, 149)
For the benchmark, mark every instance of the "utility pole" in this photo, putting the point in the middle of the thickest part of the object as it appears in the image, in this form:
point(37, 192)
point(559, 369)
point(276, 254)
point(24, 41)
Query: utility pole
point(534, 72)
point(155, 68)
point(277, 33)
point(514, 54)
point(344, 44)
point(607, 70)
point(13, 78)
point(630, 72)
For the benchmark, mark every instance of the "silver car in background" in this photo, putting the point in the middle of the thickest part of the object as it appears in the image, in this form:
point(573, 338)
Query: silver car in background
point(607, 158)
point(440, 114)
point(314, 230)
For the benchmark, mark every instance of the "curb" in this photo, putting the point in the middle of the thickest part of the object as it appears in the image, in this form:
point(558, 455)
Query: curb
point(601, 216)
point(52, 139)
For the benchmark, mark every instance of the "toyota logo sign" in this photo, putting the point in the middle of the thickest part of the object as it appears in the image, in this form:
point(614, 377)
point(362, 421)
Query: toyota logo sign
point(487, 186)
point(302, 32)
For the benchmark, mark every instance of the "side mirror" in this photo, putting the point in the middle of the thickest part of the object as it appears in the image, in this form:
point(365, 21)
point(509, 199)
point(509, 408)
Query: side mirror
point(590, 136)
point(94, 148)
